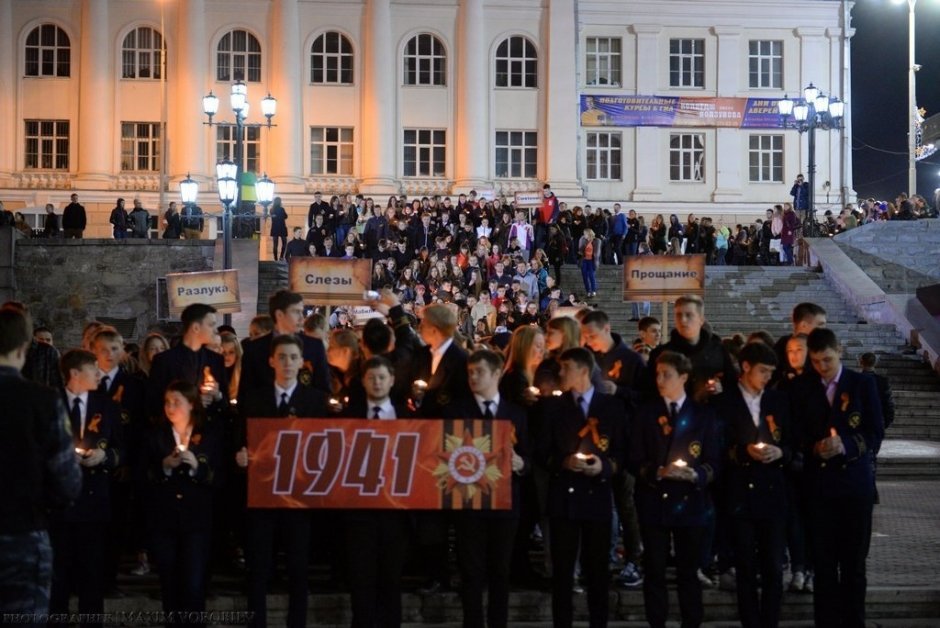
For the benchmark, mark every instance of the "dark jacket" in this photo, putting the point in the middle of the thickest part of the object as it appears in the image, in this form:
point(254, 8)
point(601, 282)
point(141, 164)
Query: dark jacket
point(564, 432)
point(856, 416)
point(279, 221)
point(174, 226)
point(710, 360)
point(73, 217)
point(40, 474)
point(102, 431)
point(448, 383)
point(624, 367)
point(753, 489)
point(181, 362)
point(694, 436)
point(257, 372)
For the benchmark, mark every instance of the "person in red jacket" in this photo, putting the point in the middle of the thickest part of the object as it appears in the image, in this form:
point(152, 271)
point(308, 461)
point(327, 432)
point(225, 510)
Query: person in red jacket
point(547, 214)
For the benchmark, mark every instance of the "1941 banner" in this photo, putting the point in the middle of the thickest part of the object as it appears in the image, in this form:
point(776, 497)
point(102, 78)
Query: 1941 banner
point(330, 281)
point(440, 464)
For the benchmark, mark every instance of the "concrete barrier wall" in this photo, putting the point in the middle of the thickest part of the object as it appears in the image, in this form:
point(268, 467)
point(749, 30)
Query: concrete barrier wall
point(66, 283)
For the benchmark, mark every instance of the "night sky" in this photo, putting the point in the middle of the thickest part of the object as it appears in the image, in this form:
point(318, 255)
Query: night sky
point(879, 95)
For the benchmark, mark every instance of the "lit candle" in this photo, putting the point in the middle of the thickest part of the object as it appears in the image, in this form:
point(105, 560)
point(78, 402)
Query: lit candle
point(334, 403)
point(832, 432)
point(557, 393)
point(233, 401)
point(581, 456)
point(180, 448)
point(680, 463)
point(420, 385)
point(534, 391)
point(207, 381)
point(80, 451)
point(760, 445)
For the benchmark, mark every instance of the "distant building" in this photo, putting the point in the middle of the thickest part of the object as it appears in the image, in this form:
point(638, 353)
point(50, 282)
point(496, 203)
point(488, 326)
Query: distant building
point(421, 97)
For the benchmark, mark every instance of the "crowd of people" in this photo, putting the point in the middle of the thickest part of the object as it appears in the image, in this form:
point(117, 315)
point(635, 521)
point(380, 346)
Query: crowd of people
point(735, 456)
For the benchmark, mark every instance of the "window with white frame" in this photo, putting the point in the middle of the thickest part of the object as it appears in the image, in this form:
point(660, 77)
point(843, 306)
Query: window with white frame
point(140, 146)
point(687, 157)
point(517, 154)
point(225, 146)
point(602, 61)
point(604, 156)
point(238, 57)
point(516, 63)
point(765, 64)
point(331, 60)
point(331, 150)
point(425, 61)
point(48, 52)
point(765, 158)
point(424, 153)
point(47, 144)
point(142, 54)
point(687, 63)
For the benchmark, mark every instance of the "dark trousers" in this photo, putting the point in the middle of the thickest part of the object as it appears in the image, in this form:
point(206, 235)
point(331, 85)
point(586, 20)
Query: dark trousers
point(78, 563)
point(292, 528)
point(377, 544)
point(796, 528)
point(840, 536)
point(182, 560)
point(616, 249)
point(484, 551)
point(687, 542)
point(593, 539)
point(431, 534)
point(766, 538)
point(25, 574)
point(72, 233)
point(283, 242)
point(623, 485)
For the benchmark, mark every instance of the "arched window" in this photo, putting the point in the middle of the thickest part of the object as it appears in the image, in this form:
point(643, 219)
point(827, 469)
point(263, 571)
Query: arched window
point(142, 54)
point(331, 60)
point(239, 57)
point(516, 63)
point(48, 52)
point(425, 61)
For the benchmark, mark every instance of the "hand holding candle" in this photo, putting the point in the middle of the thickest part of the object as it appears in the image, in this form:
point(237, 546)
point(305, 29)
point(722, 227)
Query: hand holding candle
point(418, 389)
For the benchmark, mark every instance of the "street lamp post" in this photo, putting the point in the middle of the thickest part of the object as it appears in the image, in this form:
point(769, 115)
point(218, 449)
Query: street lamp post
point(913, 121)
point(814, 111)
point(229, 172)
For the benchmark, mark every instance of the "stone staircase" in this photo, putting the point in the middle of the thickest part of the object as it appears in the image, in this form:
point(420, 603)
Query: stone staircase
point(750, 298)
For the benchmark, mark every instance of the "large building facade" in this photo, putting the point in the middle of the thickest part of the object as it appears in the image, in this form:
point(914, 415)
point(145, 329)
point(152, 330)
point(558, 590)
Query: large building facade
point(422, 97)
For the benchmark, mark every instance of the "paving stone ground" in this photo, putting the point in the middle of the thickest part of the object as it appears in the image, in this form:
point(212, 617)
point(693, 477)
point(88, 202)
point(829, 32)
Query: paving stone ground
point(905, 544)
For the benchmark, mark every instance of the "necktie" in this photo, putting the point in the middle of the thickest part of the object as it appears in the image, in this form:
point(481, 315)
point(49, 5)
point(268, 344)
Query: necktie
point(282, 407)
point(673, 410)
point(583, 407)
point(105, 383)
point(376, 411)
point(488, 413)
point(75, 416)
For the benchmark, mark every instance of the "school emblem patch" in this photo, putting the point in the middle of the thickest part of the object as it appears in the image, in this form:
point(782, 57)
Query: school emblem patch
point(695, 449)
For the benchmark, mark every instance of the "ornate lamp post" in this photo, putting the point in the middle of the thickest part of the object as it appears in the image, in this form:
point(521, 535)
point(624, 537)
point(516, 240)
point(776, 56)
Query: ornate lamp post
point(814, 111)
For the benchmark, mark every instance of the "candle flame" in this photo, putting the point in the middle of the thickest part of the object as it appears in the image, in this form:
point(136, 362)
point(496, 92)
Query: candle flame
point(681, 463)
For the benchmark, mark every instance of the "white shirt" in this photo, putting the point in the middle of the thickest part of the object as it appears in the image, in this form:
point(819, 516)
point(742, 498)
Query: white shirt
point(481, 403)
point(278, 391)
point(753, 403)
point(679, 402)
point(831, 386)
point(386, 409)
point(438, 354)
point(70, 397)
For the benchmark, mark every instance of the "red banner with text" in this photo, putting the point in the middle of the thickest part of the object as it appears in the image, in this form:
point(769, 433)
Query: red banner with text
point(437, 464)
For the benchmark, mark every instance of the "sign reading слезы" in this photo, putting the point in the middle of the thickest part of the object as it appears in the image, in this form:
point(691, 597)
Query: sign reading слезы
point(330, 281)
point(218, 288)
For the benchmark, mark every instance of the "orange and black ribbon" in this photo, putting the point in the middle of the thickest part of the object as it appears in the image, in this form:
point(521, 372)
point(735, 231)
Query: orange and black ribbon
point(590, 428)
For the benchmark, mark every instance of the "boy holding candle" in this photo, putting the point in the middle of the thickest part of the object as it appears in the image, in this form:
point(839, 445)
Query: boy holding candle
point(674, 454)
point(758, 439)
point(842, 424)
point(79, 535)
point(582, 421)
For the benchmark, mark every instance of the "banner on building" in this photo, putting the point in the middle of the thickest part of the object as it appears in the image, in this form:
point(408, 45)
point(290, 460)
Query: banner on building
point(330, 281)
point(218, 288)
point(680, 111)
point(442, 464)
point(662, 277)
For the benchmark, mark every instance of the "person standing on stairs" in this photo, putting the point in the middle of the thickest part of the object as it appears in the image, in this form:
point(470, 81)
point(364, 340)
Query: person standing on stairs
point(278, 229)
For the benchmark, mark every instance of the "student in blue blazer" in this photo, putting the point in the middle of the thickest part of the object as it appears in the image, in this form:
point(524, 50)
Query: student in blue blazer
point(182, 454)
point(674, 454)
point(841, 425)
point(758, 448)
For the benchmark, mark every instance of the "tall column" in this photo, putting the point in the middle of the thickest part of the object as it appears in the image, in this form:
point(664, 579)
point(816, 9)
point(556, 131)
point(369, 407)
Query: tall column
point(8, 89)
point(188, 78)
point(649, 176)
point(95, 99)
point(286, 142)
point(379, 102)
point(561, 101)
point(813, 69)
point(728, 142)
point(848, 185)
point(472, 102)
